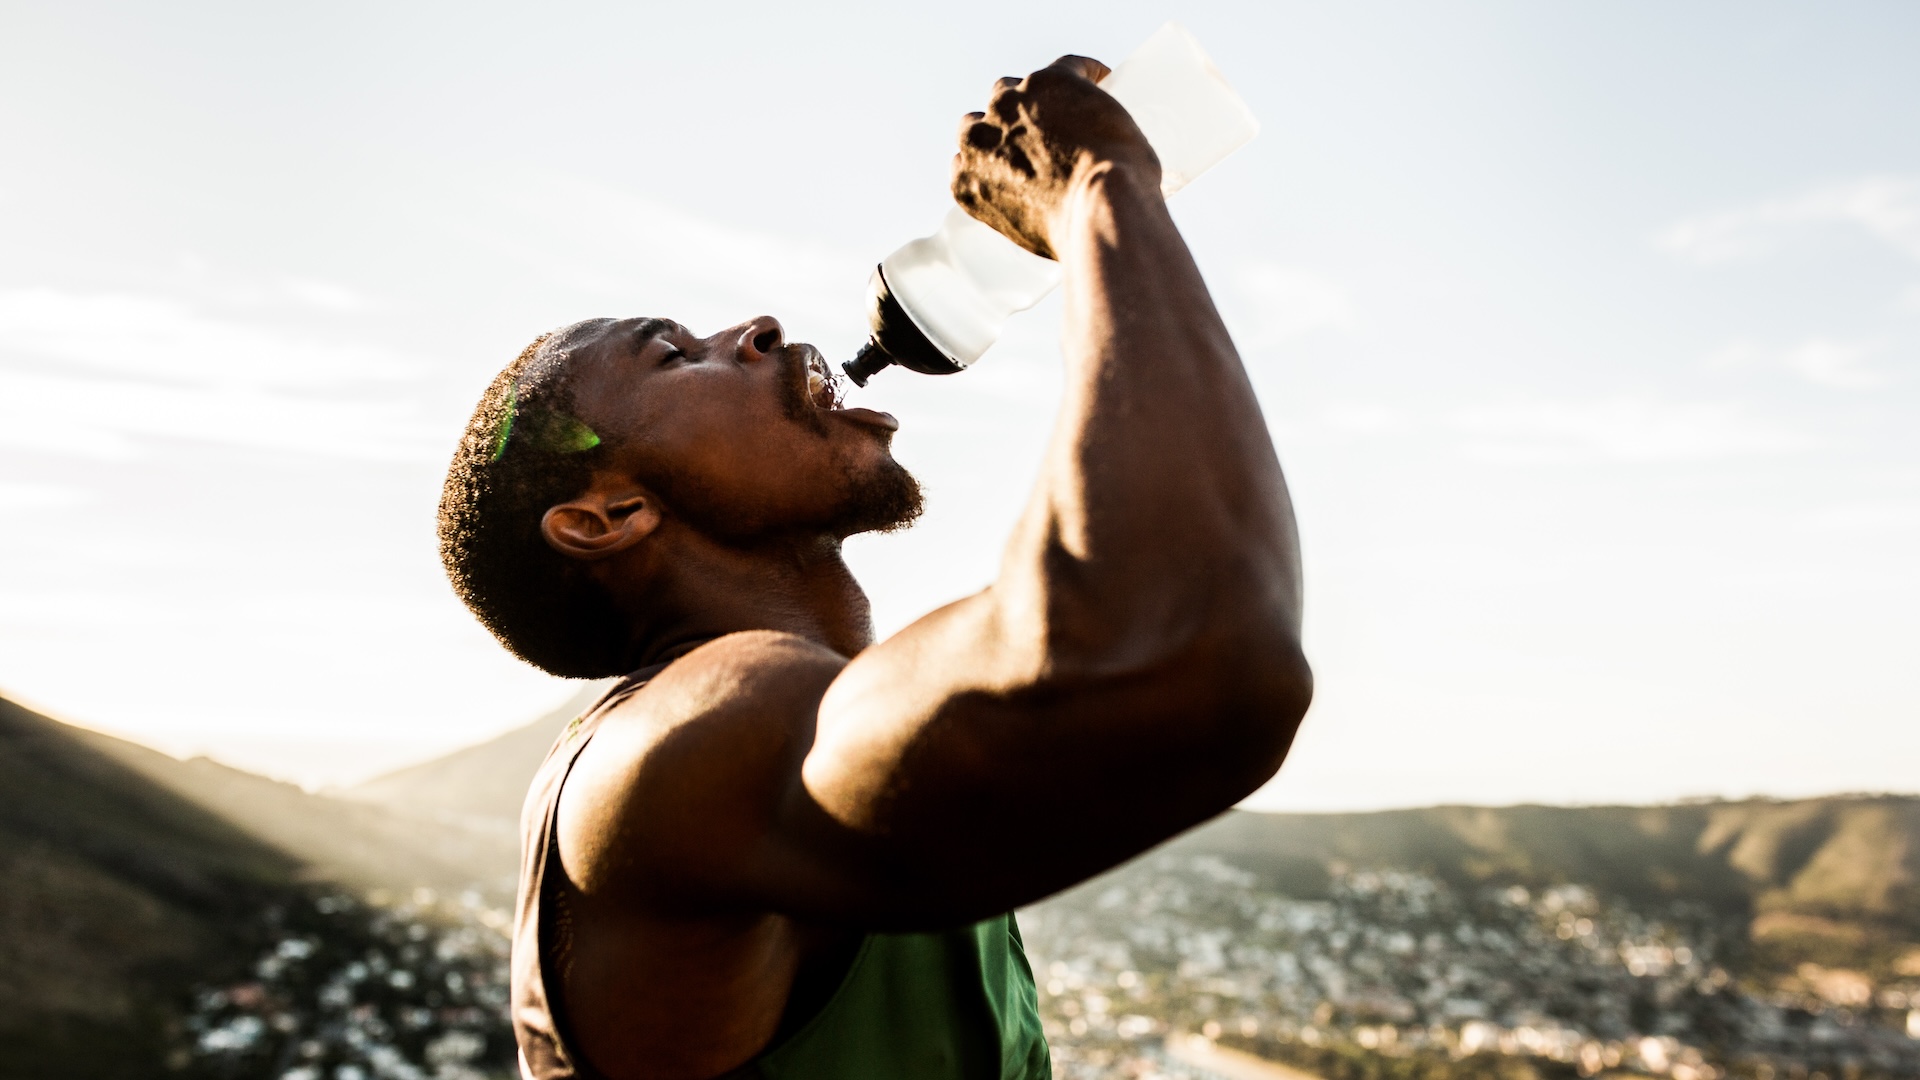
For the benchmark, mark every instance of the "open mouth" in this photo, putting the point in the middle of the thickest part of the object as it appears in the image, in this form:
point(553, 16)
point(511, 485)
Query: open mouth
point(823, 386)
point(816, 388)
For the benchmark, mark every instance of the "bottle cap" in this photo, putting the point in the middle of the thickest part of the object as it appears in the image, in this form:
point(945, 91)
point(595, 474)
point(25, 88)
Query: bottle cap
point(894, 339)
point(866, 363)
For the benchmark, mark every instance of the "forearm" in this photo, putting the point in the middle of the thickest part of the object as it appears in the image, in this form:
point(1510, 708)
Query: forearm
point(1161, 518)
point(1135, 667)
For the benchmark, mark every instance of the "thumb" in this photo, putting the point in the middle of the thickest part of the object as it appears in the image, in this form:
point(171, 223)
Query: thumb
point(1083, 66)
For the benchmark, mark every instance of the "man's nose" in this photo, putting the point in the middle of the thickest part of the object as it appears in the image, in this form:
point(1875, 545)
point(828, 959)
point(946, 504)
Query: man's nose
point(758, 337)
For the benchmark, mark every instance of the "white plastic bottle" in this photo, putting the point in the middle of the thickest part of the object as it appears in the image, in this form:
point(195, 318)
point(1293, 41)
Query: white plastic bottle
point(939, 302)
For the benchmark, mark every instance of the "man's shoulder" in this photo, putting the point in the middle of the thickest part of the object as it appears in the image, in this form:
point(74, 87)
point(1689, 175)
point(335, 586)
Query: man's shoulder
point(733, 677)
point(692, 765)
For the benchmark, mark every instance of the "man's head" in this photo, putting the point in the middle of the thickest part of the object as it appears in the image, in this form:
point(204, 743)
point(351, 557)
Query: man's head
point(610, 447)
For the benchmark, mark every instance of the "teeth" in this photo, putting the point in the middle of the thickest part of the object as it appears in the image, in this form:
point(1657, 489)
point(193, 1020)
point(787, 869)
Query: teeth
point(820, 384)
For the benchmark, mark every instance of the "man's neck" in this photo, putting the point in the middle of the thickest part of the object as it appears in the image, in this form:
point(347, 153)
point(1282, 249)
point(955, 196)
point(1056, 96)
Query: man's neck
point(794, 585)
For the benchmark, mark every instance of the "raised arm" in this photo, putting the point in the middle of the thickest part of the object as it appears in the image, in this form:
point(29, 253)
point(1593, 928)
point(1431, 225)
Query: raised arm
point(1134, 669)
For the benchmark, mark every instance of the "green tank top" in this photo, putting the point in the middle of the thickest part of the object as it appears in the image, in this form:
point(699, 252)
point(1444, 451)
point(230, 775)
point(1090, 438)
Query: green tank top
point(940, 1006)
point(949, 1005)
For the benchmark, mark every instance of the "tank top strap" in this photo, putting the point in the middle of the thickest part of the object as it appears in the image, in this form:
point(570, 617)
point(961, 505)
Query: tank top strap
point(538, 1024)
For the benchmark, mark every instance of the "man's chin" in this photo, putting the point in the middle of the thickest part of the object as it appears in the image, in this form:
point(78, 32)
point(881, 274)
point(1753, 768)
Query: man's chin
point(888, 499)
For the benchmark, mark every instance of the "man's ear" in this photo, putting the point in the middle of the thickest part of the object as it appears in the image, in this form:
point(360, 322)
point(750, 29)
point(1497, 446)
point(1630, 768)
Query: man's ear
point(600, 523)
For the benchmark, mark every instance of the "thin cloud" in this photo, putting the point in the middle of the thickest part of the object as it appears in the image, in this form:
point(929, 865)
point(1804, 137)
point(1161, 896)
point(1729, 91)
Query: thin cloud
point(1886, 208)
point(159, 339)
point(1833, 363)
point(117, 419)
point(1867, 518)
point(1821, 361)
point(324, 295)
point(624, 245)
point(38, 496)
point(102, 375)
point(1284, 303)
point(192, 275)
point(1364, 418)
point(1622, 429)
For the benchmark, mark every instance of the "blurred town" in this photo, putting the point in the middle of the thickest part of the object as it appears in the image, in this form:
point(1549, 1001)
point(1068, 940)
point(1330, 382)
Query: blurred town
point(1395, 974)
point(350, 990)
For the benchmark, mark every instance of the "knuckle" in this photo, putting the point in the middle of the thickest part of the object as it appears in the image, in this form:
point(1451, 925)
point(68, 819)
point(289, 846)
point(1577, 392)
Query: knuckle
point(982, 136)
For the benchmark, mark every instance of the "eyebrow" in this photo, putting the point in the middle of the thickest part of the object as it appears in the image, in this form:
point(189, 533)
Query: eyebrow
point(647, 330)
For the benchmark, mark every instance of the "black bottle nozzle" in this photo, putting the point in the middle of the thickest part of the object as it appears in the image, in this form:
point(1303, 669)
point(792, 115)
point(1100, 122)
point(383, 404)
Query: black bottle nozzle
point(866, 363)
point(896, 339)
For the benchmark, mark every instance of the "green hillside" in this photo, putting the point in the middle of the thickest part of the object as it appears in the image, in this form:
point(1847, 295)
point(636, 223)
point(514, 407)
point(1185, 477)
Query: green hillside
point(483, 784)
point(349, 842)
point(1834, 880)
point(1843, 870)
point(131, 876)
point(1849, 856)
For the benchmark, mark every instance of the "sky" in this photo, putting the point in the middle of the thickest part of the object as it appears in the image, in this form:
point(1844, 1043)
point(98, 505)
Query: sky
point(1588, 333)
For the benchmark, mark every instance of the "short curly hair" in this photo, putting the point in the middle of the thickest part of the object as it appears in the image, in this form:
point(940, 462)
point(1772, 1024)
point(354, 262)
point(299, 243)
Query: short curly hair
point(523, 452)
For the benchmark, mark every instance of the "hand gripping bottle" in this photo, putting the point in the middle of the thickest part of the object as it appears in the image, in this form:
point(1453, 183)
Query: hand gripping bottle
point(936, 304)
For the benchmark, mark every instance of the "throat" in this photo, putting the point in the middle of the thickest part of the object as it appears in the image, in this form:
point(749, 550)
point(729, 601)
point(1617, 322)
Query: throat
point(707, 590)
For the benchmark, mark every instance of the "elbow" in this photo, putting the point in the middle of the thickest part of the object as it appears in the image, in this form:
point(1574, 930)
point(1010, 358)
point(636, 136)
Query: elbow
point(1258, 686)
point(1276, 679)
point(1268, 693)
point(1216, 679)
point(1231, 662)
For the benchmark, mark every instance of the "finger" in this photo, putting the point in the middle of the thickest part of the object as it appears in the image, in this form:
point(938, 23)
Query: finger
point(1085, 67)
point(977, 132)
point(1006, 107)
point(1003, 103)
point(963, 184)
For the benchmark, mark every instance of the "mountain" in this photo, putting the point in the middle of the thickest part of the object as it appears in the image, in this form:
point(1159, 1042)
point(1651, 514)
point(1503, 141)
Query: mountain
point(131, 876)
point(1832, 880)
point(1854, 857)
point(352, 843)
point(119, 893)
point(1832, 868)
point(482, 785)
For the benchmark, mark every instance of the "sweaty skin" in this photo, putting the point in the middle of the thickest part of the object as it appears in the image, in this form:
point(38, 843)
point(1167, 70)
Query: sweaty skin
point(1133, 670)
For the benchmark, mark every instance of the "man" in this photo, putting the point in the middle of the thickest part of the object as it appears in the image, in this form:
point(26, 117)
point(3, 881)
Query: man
point(778, 848)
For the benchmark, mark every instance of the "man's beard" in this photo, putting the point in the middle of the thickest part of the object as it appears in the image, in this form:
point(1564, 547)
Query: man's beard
point(886, 501)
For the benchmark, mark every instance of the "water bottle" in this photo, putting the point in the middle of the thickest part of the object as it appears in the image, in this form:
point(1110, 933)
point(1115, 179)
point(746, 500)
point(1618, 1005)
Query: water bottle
point(936, 304)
